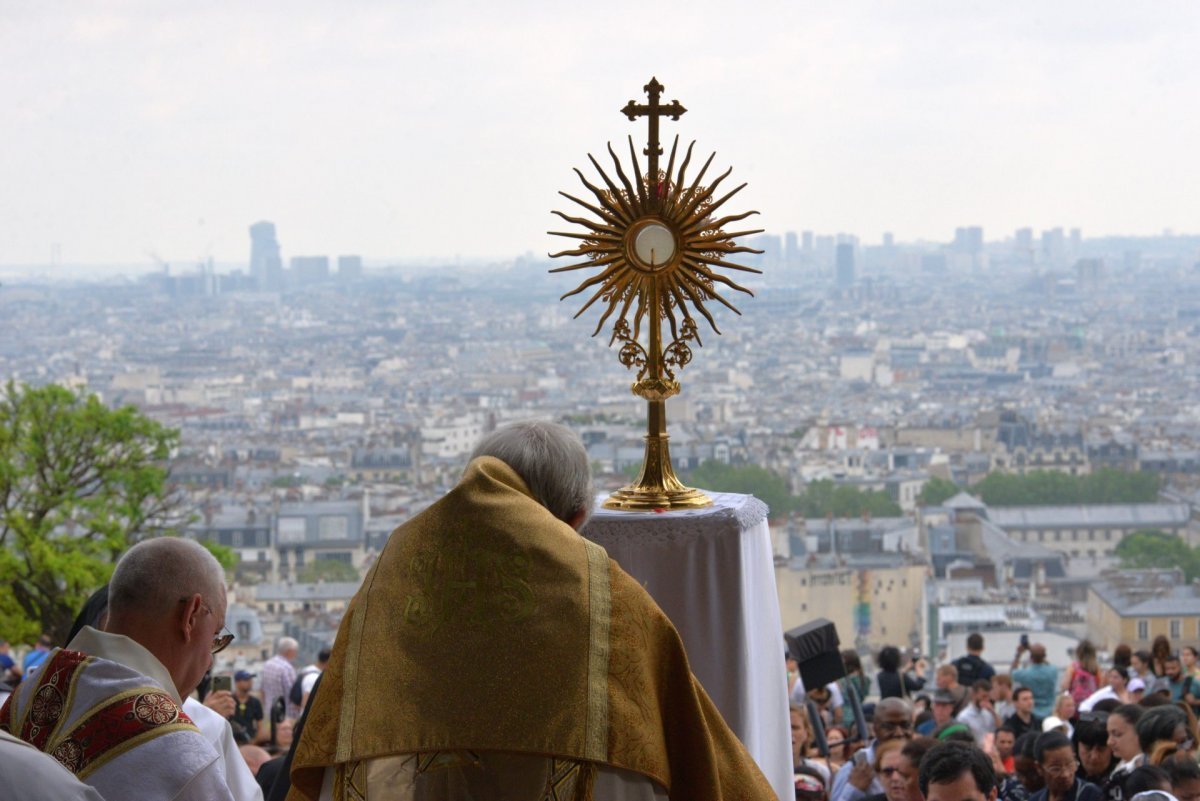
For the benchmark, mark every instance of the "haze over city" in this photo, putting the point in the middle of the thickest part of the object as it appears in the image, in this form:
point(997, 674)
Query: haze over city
point(444, 132)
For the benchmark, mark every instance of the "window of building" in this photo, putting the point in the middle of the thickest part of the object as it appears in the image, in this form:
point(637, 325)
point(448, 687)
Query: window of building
point(1143, 629)
point(333, 527)
point(291, 530)
point(1176, 628)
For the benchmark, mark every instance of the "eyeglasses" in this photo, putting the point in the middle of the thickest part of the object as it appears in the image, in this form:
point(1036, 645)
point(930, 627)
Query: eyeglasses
point(889, 771)
point(902, 725)
point(221, 641)
point(1061, 770)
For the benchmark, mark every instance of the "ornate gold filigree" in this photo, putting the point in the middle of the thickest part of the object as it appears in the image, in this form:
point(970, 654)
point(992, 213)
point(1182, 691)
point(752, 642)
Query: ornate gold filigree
point(634, 288)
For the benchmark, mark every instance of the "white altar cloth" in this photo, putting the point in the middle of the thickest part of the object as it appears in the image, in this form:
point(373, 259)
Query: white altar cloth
point(712, 572)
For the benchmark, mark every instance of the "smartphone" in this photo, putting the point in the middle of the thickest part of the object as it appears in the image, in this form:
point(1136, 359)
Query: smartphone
point(222, 683)
point(860, 757)
point(1024, 640)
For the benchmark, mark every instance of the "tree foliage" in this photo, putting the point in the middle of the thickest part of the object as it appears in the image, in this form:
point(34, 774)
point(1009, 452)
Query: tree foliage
point(327, 570)
point(937, 491)
point(1153, 548)
point(1052, 488)
point(222, 553)
point(820, 498)
point(79, 483)
point(763, 484)
point(824, 498)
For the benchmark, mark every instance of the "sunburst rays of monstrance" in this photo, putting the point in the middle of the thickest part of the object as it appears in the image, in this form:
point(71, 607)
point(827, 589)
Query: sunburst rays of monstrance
point(657, 245)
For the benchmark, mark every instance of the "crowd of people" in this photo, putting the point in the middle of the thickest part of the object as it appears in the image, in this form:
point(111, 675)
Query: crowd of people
point(1033, 733)
point(589, 697)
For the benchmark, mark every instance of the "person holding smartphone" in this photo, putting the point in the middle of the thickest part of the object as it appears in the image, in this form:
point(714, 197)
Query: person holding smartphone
point(1039, 676)
point(248, 710)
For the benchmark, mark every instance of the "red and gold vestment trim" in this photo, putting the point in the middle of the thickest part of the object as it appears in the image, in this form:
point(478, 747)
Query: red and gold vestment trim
point(110, 728)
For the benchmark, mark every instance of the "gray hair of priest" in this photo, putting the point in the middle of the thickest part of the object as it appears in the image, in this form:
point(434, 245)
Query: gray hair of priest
point(154, 574)
point(550, 459)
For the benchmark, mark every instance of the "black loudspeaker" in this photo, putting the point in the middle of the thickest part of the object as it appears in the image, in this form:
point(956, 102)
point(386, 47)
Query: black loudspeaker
point(814, 646)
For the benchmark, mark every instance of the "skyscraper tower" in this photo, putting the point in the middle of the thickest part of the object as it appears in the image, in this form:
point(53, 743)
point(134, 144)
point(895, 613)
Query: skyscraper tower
point(791, 249)
point(845, 265)
point(266, 266)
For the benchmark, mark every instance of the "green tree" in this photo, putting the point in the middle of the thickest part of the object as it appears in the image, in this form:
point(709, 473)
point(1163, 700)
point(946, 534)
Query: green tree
point(937, 491)
point(1118, 486)
point(1053, 488)
point(824, 497)
point(327, 570)
point(1153, 548)
point(79, 483)
point(222, 553)
point(768, 487)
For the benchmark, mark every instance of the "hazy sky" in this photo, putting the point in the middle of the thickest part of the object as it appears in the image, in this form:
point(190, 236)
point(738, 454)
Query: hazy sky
point(433, 129)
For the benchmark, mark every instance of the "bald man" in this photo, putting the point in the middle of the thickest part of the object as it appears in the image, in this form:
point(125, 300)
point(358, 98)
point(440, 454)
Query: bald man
point(108, 707)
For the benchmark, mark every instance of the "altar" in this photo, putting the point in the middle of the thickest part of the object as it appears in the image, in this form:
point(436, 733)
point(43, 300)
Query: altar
point(712, 571)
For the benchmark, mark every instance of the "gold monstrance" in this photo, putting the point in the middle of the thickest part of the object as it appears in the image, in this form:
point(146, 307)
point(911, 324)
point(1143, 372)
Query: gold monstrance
point(655, 241)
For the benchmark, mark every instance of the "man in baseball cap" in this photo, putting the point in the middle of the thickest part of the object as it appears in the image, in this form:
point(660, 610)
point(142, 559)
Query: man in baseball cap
point(247, 711)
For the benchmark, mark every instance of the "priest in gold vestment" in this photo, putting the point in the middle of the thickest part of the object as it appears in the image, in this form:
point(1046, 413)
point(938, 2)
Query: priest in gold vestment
point(494, 653)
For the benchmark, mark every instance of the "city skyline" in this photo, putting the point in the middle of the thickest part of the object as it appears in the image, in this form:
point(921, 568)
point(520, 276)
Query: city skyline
point(411, 134)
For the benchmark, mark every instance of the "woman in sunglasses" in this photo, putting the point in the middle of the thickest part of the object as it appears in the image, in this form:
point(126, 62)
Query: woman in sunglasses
point(887, 768)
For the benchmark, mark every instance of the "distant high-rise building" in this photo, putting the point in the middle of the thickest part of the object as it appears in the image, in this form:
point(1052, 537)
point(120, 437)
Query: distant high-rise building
point(1054, 248)
point(969, 239)
point(772, 250)
point(791, 249)
point(309, 270)
point(806, 241)
point(1023, 249)
point(845, 265)
point(889, 239)
point(266, 267)
point(349, 267)
point(824, 247)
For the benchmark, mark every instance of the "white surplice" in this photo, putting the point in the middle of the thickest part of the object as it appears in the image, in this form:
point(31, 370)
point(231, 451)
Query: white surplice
point(158, 754)
point(219, 734)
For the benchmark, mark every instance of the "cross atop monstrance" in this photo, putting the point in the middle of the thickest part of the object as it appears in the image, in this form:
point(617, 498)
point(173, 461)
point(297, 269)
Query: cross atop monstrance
point(656, 241)
point(653, 110)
